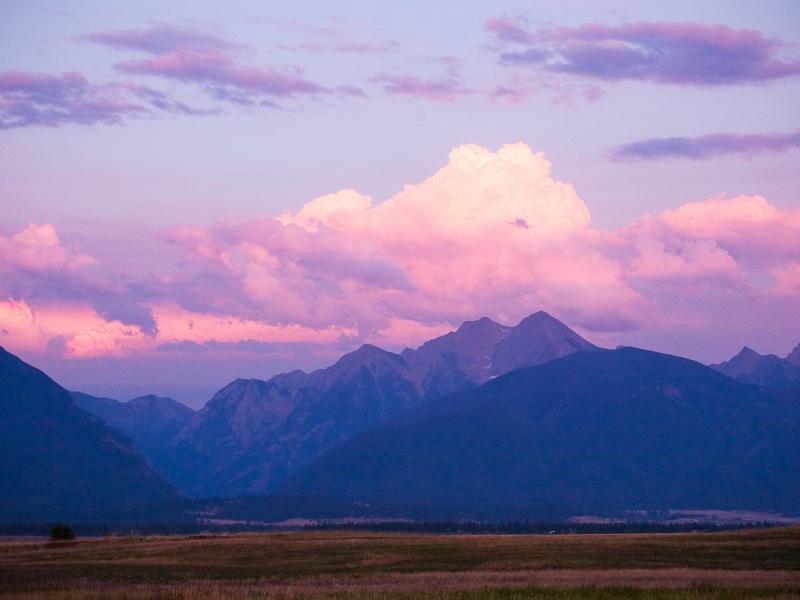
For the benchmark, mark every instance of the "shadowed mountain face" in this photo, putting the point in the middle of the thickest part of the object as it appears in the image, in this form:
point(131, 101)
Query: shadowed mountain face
point(57, 461)
point(253, 434)
point(149, 421)
point(794, 356)
point(593, 431)
point(767, 370)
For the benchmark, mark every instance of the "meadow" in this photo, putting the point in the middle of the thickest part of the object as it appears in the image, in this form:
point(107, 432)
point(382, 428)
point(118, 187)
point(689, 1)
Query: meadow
point(739, 564)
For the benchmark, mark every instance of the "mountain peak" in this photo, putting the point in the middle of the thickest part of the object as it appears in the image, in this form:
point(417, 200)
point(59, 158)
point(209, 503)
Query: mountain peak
point(538, 338)
point(794, 356)
point(66, 460)
point(478, 325)
point(574, 409)
point(367, 355)
point(366, 352)
point(149, 400)
point(539, 316)
point(747, 351)
point(273, 429)
point(159, 405)
point(763, 369)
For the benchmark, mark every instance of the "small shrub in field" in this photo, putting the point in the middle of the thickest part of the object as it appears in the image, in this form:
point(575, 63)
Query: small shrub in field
point(61, 532)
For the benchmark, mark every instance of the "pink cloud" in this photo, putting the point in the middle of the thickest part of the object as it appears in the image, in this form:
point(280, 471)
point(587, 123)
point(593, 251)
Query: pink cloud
point(66, 329)
point(683, 261)
point(787, 278)
point(37, 248)
point(34, 264)
point(746, 225)
point(216, 68)
point(490, 233)
point(440, 231)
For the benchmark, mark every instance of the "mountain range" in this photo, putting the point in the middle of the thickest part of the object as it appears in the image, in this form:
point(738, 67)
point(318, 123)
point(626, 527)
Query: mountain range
point(597, 431)
point(766, 370)
point(254, 434)
point(57, 461)
point(149, 421)
point(486, 421)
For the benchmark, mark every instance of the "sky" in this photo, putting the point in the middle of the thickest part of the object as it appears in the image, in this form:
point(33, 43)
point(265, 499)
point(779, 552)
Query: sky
point(194, 191)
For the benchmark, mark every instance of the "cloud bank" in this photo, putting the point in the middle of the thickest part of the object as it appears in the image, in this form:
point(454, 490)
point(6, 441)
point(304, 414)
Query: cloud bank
point(707, 146)
point(37, 99)
point(695, 54)
point(490, 233)
point(197, 57)
point(29, 99)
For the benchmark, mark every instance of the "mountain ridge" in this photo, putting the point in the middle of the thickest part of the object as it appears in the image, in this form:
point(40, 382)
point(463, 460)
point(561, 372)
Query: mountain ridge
point(748, 366)
point(256, 434)
point(608, 430)
point(150, 421)
point(58, 461)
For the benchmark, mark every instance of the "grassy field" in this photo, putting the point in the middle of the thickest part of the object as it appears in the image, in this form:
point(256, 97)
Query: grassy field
point(741, 564)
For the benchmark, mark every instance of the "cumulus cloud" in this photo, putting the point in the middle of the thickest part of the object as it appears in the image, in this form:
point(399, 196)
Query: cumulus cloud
point(787, 278)
point(493, 233)
point(18, 324)
point(707, 146)
point(34, 264)
point(670, 53)
point(749, 226)
point(683, 261)
point(490, 233)
point(454, 241)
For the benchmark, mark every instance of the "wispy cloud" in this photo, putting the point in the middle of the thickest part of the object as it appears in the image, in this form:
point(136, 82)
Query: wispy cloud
point(344, 47)
point(669, 53)
point(159, 39)
point(506, 29)
point(197, 57)
point(221, 72)
point(38, 99)
point(30, 99)
point(706, 146)
point(447, 89)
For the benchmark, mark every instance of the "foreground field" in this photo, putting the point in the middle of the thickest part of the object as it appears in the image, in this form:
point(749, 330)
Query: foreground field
point(743, 564)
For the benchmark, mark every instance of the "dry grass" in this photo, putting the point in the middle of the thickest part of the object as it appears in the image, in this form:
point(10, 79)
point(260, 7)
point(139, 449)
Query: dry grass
point(754, 564)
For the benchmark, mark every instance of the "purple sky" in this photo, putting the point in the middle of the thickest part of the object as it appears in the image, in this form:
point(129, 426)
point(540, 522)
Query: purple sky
point(198, 191)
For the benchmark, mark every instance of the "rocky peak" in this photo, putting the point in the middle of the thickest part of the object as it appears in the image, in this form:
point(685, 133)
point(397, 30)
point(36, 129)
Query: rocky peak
point(794, 356)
